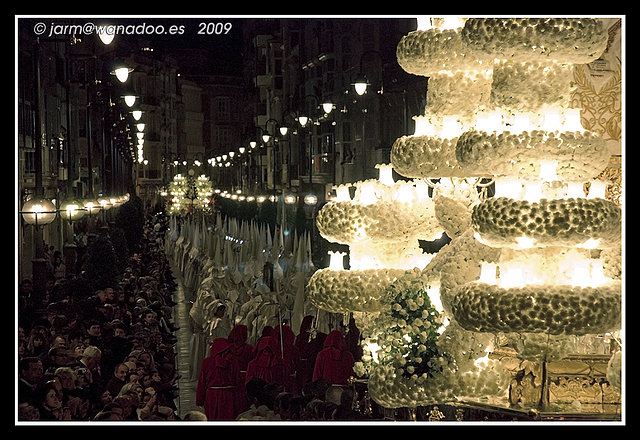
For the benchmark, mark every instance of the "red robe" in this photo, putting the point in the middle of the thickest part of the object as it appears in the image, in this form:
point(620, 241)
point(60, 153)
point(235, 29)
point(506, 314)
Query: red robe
point(243, 353)
point(287, 357)
point(334, 363)
point(262, 365)
point(308, 349)
point(218, 382)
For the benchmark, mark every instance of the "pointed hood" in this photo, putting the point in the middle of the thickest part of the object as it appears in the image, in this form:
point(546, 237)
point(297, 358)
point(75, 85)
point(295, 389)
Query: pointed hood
point(335, 344)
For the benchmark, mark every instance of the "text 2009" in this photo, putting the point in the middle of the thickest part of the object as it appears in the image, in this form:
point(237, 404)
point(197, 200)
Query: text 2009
point(214, 28)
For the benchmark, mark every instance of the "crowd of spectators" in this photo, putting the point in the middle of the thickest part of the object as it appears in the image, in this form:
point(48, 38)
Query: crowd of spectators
point(103, 354)
point(108, 354)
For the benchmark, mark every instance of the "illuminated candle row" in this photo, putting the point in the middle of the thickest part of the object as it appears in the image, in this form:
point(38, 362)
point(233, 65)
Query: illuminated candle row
point(584, 273)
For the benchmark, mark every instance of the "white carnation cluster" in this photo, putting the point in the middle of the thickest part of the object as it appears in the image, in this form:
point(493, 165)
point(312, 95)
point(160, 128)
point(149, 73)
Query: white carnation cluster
point(428, 52)
point(549, 309)
point(502, 222)
point(579, 155)
point(343, 291)
point(426, 156)
point(572, 40)
point(525, 87)
point(459, 93)
point(453, 199)
point(380, 213)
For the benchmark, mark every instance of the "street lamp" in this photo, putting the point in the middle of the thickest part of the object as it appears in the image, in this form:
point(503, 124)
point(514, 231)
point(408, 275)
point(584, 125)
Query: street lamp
point(361, 84)
point(38, 212)
point(72, 210)
point(121, 72)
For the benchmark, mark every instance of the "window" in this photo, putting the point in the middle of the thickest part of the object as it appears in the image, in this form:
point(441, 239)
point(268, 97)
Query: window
point(222, 108)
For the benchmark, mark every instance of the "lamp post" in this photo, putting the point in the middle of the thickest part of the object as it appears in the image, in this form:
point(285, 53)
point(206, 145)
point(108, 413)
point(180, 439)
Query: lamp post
point(309, 121)
point(71, 210)
point(38, 212)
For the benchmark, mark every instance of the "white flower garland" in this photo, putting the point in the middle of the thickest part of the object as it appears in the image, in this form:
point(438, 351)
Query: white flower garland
point(579, 155)
point(556, 310)
point(502, 221)
point(569, 40)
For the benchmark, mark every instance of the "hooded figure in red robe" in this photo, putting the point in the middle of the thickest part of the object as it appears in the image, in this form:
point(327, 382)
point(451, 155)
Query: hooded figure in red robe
point(287, 356)
point(243, 353)
point(308, 348)
point(218, 381)
point(334, 363)
point(240, 348)
point(262, 365)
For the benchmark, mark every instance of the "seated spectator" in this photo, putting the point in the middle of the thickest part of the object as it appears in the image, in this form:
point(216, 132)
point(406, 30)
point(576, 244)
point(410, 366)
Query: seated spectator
point(117, 379)
point(262, 397)
point(31, 373)
point(48, 402)
point(194, 416)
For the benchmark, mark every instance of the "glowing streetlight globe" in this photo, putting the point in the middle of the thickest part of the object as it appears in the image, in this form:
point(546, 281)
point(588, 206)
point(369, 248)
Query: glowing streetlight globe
point(38, 211)
point(311, 199)
point(91, 206)
point(104, 202)
point(72, 210)
point(122, 73)
point(129, 100)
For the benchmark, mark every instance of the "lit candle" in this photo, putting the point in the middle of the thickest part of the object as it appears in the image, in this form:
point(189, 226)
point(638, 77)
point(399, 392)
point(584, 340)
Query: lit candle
point(423, 127)
point(336, 260)
point(342, 194)
point(508, 187)
point(548, 170)
point(487, 273)
point(511, 276)
point(575, 190)
point(598, 277)
point(581, 276)
point(597, 190)
point(521, 123)
point(451, 127)
point(552, 121)
point(533, 191)
point(385, 174)
point(572, 120)
point(365, 194)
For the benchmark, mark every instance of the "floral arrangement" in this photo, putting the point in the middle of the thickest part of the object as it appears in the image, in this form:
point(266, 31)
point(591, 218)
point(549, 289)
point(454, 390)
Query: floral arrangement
point(503, 221)
point(571, 40)
point(189, 195)
point(519, 155)
point(459, 93)
point(413, 358)
point(373, 214)
point(550, 309)
point(529, 86)
point(423, 156)
point(343, 291)
point(454, 199)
